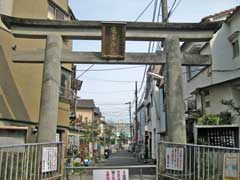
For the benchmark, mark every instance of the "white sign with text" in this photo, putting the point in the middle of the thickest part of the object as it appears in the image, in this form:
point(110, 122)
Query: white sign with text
point(110, 174)
point(49, 159)
point(174, 159)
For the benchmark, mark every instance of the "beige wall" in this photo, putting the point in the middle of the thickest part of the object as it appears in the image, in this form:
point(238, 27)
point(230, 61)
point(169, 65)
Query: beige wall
point(86, 113)
point(6, 7)
point(20, 84)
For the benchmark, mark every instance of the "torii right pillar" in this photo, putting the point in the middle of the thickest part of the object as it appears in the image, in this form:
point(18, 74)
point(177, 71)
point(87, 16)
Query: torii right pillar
point(176, 124)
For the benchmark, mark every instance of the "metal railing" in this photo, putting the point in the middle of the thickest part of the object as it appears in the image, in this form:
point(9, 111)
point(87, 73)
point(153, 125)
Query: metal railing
point(142, 172)
point(193, 162)
point(32, 161)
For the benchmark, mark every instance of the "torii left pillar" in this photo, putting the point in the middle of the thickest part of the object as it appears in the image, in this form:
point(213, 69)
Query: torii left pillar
point(50, 89)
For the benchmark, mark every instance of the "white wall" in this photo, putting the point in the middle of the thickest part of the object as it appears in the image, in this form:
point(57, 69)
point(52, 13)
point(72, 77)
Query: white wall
point(222, 52)
point(222, 59)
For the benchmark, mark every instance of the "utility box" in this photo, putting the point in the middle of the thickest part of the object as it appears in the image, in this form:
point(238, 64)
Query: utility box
point(217, 135)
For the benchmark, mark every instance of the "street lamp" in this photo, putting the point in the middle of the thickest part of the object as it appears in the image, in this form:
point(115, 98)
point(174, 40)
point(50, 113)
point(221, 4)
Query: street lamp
point(156, 76)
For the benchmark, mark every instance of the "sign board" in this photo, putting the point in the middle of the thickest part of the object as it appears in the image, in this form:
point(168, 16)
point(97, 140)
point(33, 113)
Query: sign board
point(49, 159)
point(174, 159)
point(113, 40)
point(230, 167)
point(90, 149)
point(110, 174)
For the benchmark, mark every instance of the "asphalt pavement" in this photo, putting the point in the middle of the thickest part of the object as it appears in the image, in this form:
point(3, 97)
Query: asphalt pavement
point(121, 158)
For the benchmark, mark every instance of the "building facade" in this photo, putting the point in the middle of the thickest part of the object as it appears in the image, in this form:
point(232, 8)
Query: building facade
point(20, 84)
point(206, 87)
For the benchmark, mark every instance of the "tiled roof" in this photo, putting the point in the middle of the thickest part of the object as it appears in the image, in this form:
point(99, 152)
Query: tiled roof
point(225, 13)
point(85, 103)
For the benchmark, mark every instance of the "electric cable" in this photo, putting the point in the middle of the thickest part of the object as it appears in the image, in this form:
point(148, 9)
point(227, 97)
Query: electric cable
point(110, 69)
point(144, 10)
point(85, 71)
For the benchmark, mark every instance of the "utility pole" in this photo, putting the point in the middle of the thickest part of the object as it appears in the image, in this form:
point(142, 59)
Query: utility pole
point(136, 106)
point(164, 11)
point(130, 119)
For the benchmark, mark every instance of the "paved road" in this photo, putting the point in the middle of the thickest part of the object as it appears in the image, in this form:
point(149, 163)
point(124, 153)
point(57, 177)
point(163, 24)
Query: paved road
point(121, 158)
point(124, 158)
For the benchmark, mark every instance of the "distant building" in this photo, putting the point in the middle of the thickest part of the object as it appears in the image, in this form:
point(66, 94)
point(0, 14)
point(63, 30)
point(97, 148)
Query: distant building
point(85, 110)
point(122, 127)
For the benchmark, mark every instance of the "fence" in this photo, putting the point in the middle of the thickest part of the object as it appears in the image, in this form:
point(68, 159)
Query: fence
point(146, 172)
point(196, 162)
point(31, 161)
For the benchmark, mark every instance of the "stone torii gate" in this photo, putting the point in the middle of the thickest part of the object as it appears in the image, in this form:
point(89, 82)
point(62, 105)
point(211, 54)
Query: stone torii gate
point(52, 57)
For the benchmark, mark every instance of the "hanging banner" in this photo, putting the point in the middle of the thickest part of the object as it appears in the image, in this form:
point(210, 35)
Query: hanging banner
point(49, 159)
point(110, 174)
point(230, 167)
point(174, 159)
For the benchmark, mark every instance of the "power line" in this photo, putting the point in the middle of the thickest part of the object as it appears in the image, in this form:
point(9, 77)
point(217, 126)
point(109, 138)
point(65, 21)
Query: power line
point(111, 104)
point(106, 92)
point(109, 80)
point(171, 9)
point(150, 43)
point(144, 10)
point(144, 75)
point(174, 8)
point(85, 71)
point(111, 69)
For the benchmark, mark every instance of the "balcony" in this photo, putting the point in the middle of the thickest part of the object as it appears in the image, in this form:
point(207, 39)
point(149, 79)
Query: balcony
point(66, 94)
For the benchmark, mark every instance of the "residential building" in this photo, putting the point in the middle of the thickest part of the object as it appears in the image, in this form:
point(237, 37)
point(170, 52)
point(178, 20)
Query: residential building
point(20, 84)
point(154, 114)
point(85, 110)
point(206, 87)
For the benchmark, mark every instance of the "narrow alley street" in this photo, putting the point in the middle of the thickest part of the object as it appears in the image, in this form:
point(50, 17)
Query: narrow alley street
point(137, 170)
point(121, 158)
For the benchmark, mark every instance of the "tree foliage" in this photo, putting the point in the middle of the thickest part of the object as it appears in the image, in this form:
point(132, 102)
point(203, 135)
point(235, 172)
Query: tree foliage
point(232, 106)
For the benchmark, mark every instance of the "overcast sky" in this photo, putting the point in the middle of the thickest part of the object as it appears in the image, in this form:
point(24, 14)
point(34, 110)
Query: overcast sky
point(117, 87)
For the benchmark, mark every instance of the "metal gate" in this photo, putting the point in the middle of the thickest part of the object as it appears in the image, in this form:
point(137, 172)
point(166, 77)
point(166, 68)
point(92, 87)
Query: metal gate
point(145, 172)
point(196, 162)
point(32, 161)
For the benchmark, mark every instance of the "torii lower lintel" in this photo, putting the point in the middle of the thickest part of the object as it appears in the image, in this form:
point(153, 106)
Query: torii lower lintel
point(95, 58)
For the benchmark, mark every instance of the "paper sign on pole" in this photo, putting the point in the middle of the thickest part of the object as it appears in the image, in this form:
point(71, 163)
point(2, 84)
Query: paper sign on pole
point(110, 174)
point(230, 167)
point(49, 159)
point(91, 147)
point(174, 159)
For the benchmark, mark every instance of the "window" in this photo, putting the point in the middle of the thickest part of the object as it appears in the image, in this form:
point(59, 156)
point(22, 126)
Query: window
point(192, 71)
point(235, 46)
point(51, 12)
point(206, 92)
point(233, 39)
point(56, 13)
point(65, 91)
point(208, 104)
